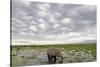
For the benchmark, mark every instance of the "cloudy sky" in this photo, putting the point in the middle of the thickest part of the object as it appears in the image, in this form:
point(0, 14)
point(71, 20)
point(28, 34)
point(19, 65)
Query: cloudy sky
point(53, 22)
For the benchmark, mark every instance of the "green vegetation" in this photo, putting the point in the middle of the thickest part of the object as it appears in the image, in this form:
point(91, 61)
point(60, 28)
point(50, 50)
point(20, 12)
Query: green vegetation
point(36, 54)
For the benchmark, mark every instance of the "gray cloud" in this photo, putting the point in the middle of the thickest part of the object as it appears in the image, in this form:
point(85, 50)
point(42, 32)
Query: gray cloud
point(37, 18)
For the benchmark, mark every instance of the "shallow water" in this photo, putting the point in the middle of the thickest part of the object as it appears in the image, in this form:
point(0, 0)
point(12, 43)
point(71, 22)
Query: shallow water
point(27, 57)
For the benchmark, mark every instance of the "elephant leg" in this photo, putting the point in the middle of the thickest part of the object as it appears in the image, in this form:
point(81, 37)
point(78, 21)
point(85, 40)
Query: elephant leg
point(49, 59)
point(54, 59)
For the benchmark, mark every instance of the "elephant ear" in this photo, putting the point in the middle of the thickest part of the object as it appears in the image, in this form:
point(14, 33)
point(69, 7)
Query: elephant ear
point(58, 52)
point(59, 56)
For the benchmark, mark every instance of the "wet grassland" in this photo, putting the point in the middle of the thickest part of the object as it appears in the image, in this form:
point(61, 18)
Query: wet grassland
point(28, 55)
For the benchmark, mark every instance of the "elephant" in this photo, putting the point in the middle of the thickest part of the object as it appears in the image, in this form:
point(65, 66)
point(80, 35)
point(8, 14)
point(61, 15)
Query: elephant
point(53, 54)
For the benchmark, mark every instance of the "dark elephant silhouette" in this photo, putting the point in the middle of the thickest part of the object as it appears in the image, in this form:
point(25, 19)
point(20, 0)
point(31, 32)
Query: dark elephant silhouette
point(53, 54)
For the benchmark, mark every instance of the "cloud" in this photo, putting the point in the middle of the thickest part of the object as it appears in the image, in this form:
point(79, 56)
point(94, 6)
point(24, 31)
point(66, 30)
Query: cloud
point(22, 2)
point(42, 13)
point(53, 21)
point(43, 7)
point(32, 28)
point(41, 20)
point(56, 25)
point(66, 20)
point(42, 26)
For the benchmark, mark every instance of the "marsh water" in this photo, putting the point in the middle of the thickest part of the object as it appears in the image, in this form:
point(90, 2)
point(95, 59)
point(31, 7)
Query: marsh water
point(28, 56)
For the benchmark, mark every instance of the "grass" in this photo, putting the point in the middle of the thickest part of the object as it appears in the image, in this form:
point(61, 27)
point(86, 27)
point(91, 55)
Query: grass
point(71, 53)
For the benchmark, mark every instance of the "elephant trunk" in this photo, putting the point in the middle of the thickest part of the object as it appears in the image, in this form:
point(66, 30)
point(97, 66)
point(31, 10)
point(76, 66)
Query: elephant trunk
point(61, 61)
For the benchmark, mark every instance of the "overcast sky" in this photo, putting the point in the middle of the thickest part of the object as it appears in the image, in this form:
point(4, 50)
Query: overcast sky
point(58, 22)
